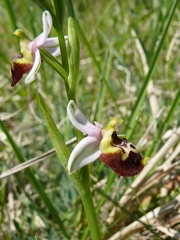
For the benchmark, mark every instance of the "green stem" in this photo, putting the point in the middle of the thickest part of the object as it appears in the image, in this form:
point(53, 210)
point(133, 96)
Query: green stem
point(80, 181)
point(89, 206)
point(86, 198)
point(91, 216)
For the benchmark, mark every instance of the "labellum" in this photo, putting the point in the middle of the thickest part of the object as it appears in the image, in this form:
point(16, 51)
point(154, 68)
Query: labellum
point(20, 66)
point(124, 159)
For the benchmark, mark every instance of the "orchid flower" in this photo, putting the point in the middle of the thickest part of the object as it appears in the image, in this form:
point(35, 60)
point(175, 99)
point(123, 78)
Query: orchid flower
point(30, 60)
point(103, 143)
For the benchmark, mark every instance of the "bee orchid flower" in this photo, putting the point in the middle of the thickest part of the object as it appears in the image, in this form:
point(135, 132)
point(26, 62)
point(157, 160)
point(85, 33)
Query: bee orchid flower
point(103, 143)
point(30, 60)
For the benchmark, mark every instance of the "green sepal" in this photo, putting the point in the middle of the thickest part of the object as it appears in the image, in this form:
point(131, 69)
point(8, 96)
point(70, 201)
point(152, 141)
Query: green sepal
point(24, 41)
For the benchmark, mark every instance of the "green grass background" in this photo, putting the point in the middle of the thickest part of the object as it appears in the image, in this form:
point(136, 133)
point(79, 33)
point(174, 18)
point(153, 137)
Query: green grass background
point(111, 79)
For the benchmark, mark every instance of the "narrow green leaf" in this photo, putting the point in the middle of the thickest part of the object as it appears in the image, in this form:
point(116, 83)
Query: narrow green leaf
point(58, 18)
point(59, 144)
point(59, 9)
point(43, 5)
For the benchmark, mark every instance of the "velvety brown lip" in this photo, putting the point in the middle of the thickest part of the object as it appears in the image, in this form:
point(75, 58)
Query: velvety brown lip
point(18, 70)
point(130, 166)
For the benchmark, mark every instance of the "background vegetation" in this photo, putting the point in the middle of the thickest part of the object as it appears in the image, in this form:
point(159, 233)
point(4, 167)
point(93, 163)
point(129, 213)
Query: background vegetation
point(130, 69)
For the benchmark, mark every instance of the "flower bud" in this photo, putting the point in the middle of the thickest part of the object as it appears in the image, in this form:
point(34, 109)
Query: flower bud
point(119, 154)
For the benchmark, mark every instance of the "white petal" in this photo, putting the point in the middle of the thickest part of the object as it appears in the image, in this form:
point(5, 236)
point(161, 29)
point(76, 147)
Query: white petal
point(81, 122)
point(37, 62)
point(51, 42)
point(54, 51)
point(47, 25)
point(85, 152)
point(52, 45)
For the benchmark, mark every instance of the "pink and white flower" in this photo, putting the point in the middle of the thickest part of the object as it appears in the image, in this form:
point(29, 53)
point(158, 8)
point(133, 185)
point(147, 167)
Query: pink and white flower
point(88, 149)
point(115, 151)
point(30, 59)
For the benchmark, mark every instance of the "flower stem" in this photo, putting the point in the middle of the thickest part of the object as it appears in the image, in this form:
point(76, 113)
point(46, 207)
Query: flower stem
point(86, 198)
point(89, 206)
point(80, 181)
